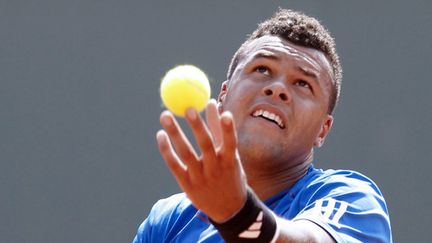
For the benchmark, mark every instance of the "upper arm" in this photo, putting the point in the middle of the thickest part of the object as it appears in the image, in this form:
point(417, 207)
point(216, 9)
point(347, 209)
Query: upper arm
point(301, 231)
point(350, 209)
point(153, 228)
point(144, 231)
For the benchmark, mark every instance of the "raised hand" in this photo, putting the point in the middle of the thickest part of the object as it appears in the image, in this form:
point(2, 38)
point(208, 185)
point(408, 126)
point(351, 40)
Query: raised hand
point(214, 181)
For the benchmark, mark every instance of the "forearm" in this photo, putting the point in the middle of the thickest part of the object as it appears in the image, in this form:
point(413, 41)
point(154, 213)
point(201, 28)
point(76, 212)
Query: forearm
point(301, 231)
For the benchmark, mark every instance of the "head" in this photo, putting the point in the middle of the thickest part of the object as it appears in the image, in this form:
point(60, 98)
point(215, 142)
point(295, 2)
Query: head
point(283, 84)
point(302, 30)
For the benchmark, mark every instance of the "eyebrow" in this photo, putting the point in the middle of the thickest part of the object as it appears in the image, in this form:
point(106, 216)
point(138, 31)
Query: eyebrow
point(264, 54)
point(307, 72)
point(269, 55)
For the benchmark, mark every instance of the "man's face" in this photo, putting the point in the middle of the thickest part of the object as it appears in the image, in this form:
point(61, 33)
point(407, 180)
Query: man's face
point(279, 96)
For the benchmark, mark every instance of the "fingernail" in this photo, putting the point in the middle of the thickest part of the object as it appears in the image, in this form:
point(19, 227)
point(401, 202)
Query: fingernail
point(166, 121)
point(226, 120)
point(160, 136)
point(191, 113)
point(212, 101)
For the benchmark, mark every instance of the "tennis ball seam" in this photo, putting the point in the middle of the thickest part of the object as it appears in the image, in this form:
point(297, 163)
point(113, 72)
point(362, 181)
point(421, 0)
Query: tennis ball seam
point(199, 87)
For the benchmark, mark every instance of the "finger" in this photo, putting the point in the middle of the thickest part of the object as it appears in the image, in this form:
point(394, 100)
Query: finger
point(203, 137)
point(229, 145)
point(213, 122)
point(177, 168)
point(182, 146)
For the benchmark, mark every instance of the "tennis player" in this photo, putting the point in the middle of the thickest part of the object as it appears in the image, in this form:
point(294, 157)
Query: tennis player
point(253, 179)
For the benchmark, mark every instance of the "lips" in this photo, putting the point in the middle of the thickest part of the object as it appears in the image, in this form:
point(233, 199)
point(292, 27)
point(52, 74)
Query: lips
point(269, 115)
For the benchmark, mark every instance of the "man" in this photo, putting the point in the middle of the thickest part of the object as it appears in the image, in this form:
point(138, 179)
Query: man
point(254, 180)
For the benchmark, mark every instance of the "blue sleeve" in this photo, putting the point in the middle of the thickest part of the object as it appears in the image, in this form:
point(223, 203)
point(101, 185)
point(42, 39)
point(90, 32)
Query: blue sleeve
point(349, 206)
point(145, 230)
point(153, 229)
point(160, 220)
point(143, 233)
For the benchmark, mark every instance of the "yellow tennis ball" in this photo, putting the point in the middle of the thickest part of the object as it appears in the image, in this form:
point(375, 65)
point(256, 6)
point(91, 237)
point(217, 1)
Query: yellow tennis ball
point(184, 87)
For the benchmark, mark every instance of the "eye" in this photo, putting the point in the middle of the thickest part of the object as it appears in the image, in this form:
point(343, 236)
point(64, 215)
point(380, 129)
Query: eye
point(303, 83)
point(263, 70)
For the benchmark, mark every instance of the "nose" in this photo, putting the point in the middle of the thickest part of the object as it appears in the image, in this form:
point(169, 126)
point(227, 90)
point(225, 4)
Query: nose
point(277, 90)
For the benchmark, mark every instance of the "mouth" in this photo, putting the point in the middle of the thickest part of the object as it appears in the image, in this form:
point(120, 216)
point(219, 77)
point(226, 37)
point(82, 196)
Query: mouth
point(270, 116)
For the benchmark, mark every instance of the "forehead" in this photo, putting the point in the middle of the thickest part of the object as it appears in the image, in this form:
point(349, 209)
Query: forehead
point(276, 47)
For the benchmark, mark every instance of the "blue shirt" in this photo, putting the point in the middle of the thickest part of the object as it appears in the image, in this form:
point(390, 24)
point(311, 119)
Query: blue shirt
point(348, 205)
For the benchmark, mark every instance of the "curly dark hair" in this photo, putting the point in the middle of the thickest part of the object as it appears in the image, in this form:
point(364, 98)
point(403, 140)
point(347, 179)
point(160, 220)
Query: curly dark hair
point(303, 30)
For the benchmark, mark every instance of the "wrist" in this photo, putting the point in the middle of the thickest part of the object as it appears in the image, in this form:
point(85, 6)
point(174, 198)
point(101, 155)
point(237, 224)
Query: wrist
point(225, 217)
point(253, 222)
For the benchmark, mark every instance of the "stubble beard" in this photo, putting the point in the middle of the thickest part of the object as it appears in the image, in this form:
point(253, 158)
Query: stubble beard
point(258, 152)
point(263, 154)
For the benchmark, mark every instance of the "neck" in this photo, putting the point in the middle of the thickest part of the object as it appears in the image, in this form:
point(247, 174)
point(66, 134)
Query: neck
point(268, 183)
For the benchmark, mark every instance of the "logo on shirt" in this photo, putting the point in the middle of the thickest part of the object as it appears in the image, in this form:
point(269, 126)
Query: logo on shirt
point(331, 209)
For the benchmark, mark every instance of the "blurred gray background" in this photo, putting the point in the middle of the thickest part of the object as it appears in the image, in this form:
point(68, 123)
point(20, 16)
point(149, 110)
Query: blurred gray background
point(79, 105)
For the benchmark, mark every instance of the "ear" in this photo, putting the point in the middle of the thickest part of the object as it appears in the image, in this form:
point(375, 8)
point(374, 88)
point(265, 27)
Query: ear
point(325, 129)
point(223, 91)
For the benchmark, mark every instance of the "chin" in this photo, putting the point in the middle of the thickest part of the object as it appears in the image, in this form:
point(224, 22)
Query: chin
point(253, 148)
